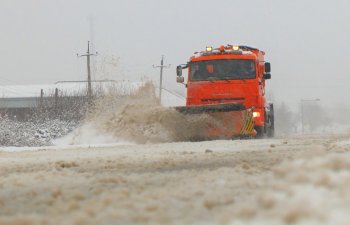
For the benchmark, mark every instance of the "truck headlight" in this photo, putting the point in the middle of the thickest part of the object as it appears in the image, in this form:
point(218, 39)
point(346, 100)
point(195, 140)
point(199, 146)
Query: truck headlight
point(256, 114)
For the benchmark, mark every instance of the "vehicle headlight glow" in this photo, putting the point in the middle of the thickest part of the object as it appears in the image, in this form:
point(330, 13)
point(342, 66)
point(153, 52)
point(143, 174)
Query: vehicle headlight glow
point(209, 48)
point(256, 114)
point(235, 48)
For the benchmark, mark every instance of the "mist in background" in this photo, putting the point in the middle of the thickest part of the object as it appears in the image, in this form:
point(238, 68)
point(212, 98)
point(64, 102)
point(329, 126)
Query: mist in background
point(307, 42)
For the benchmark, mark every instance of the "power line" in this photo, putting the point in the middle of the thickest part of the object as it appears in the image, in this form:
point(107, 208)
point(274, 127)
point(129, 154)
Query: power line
point(174, 93)
point(16, 90)
point(9, 81)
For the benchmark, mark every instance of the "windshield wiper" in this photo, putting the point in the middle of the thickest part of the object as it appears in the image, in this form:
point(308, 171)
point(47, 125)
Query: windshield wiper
point(227, 79)
point(212, 79)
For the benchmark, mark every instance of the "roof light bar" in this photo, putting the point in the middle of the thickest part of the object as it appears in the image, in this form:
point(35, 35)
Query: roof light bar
point(209, 48)
point(235, 48)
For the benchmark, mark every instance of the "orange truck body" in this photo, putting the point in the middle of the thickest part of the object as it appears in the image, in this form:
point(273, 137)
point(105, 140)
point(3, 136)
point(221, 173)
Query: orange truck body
point(220, 83)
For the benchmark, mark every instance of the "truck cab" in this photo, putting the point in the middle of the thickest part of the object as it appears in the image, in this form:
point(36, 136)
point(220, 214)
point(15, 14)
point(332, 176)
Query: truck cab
point(230, 74)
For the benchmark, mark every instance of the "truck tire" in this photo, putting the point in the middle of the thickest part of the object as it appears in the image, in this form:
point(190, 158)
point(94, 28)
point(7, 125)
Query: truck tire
point(260, 132)
point(270, 128)
point(270, 122)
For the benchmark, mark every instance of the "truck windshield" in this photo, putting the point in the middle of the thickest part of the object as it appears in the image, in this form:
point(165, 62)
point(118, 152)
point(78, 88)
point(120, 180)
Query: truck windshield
point(228, 69)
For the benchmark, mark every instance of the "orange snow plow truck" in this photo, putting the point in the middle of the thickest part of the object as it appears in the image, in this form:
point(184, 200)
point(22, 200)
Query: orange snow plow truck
point(228, 84)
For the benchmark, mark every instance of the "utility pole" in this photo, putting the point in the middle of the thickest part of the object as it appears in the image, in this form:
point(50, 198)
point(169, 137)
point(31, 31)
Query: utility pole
point(87, 55)
point(161, 76)
point(92, 42)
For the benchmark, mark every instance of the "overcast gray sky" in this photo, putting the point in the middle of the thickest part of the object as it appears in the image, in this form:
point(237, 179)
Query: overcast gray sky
point(306, 41)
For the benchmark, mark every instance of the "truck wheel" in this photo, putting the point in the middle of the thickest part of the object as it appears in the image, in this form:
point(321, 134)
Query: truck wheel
point(259, 132)
point(270, 128)
point(270, 121)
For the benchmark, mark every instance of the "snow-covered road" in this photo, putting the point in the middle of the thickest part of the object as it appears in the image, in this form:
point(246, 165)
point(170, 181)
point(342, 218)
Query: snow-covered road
point(296, 180)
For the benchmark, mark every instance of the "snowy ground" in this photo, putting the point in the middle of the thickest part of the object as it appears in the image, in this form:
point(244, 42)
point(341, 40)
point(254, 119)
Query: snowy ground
point(146, 173)
point(295, 180)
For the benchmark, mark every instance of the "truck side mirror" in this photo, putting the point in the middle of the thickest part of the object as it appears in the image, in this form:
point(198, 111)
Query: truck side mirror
point(267, 67)
point(179, 71)
point(180, 79)
point(267, 76)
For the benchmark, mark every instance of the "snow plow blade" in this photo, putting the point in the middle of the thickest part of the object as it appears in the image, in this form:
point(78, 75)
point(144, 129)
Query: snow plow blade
point(223, 121)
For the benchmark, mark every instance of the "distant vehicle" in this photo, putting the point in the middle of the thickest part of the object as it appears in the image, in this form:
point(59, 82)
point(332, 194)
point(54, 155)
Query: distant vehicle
point(228, 83)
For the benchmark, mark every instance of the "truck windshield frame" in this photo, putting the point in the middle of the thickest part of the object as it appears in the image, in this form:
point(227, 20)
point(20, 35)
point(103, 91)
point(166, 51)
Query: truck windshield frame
point(222, 69)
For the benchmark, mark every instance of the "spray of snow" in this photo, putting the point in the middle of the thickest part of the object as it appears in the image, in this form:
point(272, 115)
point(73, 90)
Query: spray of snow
point(137, 118)
point(87, 135)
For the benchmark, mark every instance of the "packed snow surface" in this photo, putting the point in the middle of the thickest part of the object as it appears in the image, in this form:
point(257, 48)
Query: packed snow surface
point(291, 180)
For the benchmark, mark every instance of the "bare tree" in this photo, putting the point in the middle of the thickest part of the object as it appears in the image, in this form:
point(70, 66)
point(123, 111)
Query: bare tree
point(315, 117)
point(286, 120)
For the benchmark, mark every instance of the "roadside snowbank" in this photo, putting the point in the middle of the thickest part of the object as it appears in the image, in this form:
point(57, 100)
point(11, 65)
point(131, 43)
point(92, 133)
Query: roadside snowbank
point(32, 133)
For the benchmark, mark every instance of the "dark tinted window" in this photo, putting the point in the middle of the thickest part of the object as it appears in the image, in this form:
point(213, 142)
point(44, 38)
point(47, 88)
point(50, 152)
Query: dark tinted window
point(222, 70)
